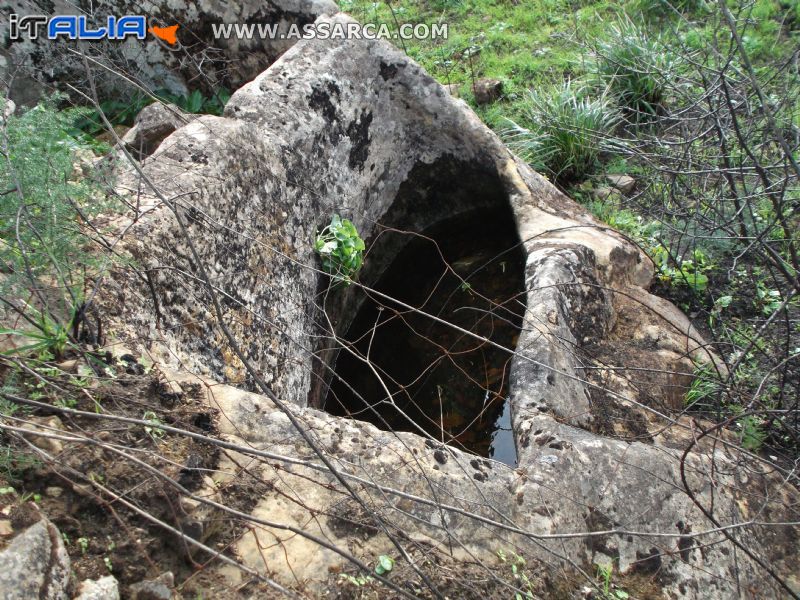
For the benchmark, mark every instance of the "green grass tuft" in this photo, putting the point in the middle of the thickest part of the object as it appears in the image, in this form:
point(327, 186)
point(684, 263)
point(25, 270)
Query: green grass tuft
point(564, 132)
point(636, 66)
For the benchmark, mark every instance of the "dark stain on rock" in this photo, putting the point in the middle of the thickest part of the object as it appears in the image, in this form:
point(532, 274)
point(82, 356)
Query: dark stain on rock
point(478, 476)
point(348, 518)
point(203, 421)
point(648, 562)
point(192, 472)
point(321, 99)
point(624, 261)
point(596, 521)
point(23, 516)
point(440, 456)
point(358, 132)
point(684, 542)
point(608, 412)
point(684, 546)
point(388, 71)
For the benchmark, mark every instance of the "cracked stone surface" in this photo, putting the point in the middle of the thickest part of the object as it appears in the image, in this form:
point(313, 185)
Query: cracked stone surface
point(358, 128)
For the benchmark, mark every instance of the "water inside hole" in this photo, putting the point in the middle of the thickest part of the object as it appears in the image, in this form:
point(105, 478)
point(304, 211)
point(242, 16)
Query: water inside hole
point(452, 385)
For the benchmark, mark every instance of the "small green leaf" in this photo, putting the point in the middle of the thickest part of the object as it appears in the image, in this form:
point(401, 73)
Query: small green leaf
point(194, 102)
point(385, 564)
point(724, 301)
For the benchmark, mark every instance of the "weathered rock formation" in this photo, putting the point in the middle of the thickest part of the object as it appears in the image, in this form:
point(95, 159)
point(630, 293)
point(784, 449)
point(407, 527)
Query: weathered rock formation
point(358, 129)
point(198, 61)
point(153, 123)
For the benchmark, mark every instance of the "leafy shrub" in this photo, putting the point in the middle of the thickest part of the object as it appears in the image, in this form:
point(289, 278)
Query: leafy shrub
point(690, 271)
point(118, 112)
point(767, 300)
point(341, 249)
point(196, 102)
point(44, 250)
point(717, 395)
point(49, 336)
point(752, 432)
point(15, 462)
point(521, 580)
point(564, 132)
point(638, 68)
point(123, 112)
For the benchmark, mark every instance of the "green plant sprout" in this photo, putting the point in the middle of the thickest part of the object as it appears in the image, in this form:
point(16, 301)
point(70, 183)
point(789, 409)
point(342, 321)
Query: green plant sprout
point(341, 250)
point(604, 573)
point(50, 337)
point(153, 430)
point(517, 563)
point(385, 564)
point(752, 433)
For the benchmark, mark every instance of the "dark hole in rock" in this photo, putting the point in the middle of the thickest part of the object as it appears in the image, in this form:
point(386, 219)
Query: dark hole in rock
point(442, 380)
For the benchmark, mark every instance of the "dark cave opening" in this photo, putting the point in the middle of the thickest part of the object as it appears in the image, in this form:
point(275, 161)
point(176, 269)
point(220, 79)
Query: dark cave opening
point(427, 375)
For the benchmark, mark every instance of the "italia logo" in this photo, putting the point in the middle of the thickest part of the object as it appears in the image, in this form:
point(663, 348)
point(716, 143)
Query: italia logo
point(77, 27)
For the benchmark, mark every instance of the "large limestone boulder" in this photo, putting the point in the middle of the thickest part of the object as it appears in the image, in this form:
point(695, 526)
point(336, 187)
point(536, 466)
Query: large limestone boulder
point(608, 470)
